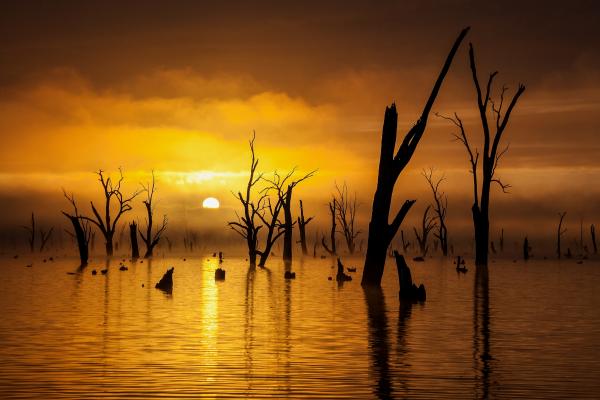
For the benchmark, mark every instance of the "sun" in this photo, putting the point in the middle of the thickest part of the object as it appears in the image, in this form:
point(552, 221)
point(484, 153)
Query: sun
point(210, 202)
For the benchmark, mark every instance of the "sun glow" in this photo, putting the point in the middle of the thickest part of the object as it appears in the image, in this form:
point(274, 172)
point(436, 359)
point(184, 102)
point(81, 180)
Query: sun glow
point(210, 202)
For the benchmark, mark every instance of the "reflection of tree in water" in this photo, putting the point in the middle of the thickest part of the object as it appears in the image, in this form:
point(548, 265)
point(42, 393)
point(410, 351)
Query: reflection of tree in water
point(249, 326)
point(378, 342)
point(401, 346)
point(482, 359)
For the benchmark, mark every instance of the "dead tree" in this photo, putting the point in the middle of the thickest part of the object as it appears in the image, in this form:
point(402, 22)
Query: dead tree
point(427, 225)
point(44, 236)
point(82, 231)
point(333, 212)
point(302, 228)
point(381, 232)
point(283, 187)
point(106, 224)
point(440, 206)
point(560, 232)
point(593, 235)
point(151, 239)
point(405, 244)
point(135, 250)
point(526, 249)
point(31, 231)
point(491, 154)
point(346, 215)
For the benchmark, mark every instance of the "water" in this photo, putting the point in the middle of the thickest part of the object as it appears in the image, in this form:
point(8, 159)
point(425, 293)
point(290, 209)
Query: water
point(522, 330)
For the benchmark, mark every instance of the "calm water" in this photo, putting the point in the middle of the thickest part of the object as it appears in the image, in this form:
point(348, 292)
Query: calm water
point(522, 330)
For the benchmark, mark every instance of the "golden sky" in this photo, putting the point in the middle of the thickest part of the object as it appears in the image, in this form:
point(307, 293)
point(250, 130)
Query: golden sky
point(180, 88)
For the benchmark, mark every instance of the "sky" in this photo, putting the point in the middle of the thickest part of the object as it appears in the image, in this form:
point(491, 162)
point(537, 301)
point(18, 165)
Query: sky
point(179, 87)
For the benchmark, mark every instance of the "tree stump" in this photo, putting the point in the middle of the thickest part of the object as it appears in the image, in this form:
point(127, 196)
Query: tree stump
point(408, 290)
point(166, 282)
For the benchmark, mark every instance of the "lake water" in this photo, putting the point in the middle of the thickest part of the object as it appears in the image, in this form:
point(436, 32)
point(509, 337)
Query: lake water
point(521, 330)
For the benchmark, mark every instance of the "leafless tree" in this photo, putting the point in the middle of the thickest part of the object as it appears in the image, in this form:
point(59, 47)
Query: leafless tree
point(151, 239)
point(302, 222)
point(106, 224)
point(82, 231)
point(560, 232)
point(346, 215)
point(491, 154)
point(440, 207)
point(427, 225)
point(405, 243)
point(133, 232)
point(332, 210)
point(593, 235)
point(381, 232)
point(44, 235)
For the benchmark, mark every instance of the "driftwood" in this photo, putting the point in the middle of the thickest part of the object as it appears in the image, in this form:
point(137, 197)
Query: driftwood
point(166, 282)
point(408, 290)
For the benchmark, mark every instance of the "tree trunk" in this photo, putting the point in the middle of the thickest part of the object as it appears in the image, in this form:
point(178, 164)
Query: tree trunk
point(288, 225)
point(302, 229)
point(109, 245)
point(593, 234)
point(82, 242)
point(135, 251)
point(481, 223)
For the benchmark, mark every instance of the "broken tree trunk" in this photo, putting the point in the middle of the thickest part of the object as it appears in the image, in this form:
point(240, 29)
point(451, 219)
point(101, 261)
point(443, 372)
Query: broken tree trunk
point(593, 234)
point(302, 228)
point(288, 224)
point(135, 250)
point(82, 238)
point(166, 282)
point(381, 232)
point(332, 250)
point(408, 290)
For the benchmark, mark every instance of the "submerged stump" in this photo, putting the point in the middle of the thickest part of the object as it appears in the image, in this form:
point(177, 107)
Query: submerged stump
point(408, 290)
point(341, 276)
point(166, 282)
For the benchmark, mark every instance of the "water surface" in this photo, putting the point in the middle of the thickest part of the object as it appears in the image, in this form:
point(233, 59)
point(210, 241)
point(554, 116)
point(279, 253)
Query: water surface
point(529, 330)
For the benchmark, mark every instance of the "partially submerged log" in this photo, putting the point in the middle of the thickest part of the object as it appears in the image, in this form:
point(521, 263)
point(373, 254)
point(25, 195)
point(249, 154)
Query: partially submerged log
point(408, 290)
point(166, 282)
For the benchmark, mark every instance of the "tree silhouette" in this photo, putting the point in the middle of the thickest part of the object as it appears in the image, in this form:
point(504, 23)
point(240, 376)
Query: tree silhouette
point(593, 235)
point(106, 224)
point(283, 187)
point(151, 239)
point(440, 206)
point(302, 222)
point(44, 235)
point(133, 231)
point(333, 211)
point(560, 232)
point(381, 232)
point(427, 225)
point(82, 231)
point(491, 154)
point(346, 215)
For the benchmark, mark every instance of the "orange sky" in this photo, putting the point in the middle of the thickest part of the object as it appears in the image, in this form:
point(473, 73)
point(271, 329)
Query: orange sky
point(180, 90)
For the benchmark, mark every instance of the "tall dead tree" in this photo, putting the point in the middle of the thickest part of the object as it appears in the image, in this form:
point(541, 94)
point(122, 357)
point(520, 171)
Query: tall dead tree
point(44, 236)
point(151, 239)
point(302, 222)
point(559, 233)
point(491, 154)
point(31, 231)
point(346, 215)
point(333, 212)
point(381, 232)
point(82, 231)
point(593, 235)
point(135, 250)
point(440, 206)
point(106, 224)
point(427, 225)
point(260, 210)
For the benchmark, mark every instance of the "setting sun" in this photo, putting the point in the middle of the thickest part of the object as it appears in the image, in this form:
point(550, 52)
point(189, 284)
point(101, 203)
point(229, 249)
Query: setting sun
point(210, 202)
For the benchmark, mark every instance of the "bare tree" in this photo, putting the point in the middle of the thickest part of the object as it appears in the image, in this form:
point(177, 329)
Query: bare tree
point(332, 210)
point(82, 231)
point(490, 157)
point(302, 228)
point(151, 239)
point(427, 225)
point(593, 235)
point(560, 232)
point(346, 215)
point(440, 206)
point(106, 224)
point(405, 243)
point(283, 187)
point(381, 232)
point(44, 236)
point(31, 231)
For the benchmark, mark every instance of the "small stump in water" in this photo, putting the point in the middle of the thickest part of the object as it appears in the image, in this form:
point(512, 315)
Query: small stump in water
point(166, 282)
point(408, 290)
point(289, 275)
point(341, 276)
point(219, 274)
point(460, 265)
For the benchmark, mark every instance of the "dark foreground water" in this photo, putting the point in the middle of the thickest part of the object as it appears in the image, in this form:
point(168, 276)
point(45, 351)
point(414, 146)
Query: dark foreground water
point(520, 331)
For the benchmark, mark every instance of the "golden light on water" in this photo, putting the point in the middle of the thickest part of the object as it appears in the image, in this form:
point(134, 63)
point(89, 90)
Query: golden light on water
point(210, 202)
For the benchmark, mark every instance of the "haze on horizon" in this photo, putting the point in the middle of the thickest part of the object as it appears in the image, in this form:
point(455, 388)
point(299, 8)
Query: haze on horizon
point(180, 90)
